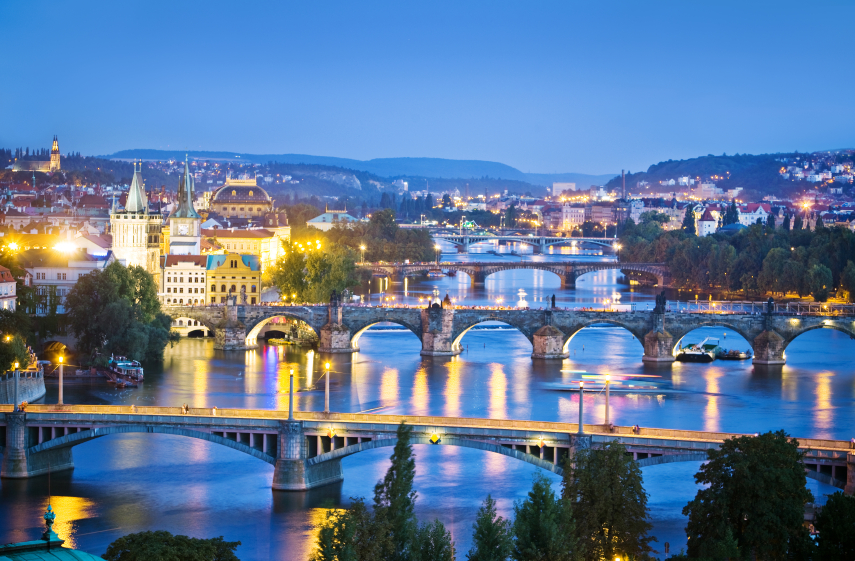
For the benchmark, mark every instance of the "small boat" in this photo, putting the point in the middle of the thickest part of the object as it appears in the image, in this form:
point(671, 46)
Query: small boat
point(705, 351)
point(733, 354)
point(435, 274)
point(126, 369)
point(451, 273)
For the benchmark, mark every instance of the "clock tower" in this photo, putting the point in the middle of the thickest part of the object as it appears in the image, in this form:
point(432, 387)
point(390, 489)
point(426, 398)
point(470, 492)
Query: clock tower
point(185, 224)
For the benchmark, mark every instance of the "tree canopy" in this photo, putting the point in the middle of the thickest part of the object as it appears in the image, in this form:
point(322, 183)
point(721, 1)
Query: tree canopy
point(163, 546)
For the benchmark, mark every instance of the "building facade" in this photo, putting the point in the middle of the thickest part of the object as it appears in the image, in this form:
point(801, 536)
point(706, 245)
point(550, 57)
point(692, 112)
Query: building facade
point(136, 231)
point(241, 198)
point(184, 279)
point(185, 232)
point(8, 286)
point(233, 275)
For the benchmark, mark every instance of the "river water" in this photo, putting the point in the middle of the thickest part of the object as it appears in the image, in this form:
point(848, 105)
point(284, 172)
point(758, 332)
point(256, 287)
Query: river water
point(136, 482)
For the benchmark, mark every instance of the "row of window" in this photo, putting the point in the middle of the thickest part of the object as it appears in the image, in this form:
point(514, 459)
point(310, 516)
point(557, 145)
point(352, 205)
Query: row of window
point(43, 276)
point(189, 279)
point(232, 289)
point(250, 209)
point(170, 290)
point(180, 301)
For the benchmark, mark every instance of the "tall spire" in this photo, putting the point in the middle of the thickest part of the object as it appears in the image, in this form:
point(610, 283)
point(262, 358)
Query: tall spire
point(185, 193)
point(137, 201)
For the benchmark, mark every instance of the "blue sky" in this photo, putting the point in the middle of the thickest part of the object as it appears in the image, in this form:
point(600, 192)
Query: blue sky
point(543, 86)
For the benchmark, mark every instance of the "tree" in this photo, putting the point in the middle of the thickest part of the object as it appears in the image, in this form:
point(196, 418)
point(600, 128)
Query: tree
point(819, 223)
point(511, 216)
point(288, 275)
point(333, 270)
point(847, 280)
point(755, 492)
point(819, 282)
point(13, 349)
point(353, 534)
point(689, 222)
point(432, 543)
point(491, 535)
point(770, 221)
point(606, 488)
point(394, 498)
point(731, 216)
point(116, 311)
point(786, 224)
point(163, 546)
point(797, 223)
point(543, 526)
point(835, 523)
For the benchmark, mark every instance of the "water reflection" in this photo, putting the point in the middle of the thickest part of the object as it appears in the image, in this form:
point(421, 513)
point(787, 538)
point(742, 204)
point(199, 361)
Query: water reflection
point(73, 510)
point(711, 412)
point(823, 410)
point(498, 392)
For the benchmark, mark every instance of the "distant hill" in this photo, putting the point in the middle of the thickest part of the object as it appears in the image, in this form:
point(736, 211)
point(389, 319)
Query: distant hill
point(383, 167)
point(757, 174)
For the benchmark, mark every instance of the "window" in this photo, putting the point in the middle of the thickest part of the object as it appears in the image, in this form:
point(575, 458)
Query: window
point(195, 291)
point(202, 290)
point(60, 276)
point(233, 194)
point(232, 289)
point(168, 290)
point(181, 290)
point(213, 299)
point(168, 279)
point(241, 209)
point(253, 290)
point(223, 289)
point(250, 193)
point(181, 279)
point(213, 288)
point(253, 300)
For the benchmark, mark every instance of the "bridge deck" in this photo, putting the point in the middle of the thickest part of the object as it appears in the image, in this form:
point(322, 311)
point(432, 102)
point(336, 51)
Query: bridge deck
point(89, 414)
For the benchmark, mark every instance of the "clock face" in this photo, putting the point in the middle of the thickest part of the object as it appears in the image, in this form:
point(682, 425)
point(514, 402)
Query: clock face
point(183, 229)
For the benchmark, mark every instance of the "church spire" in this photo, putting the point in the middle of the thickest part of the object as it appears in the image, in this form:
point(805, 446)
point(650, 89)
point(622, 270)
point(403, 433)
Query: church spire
point(185, 194)
point(137, 201)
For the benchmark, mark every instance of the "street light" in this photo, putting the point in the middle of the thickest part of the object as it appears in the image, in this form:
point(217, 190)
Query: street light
point(61, 365)
point(581, 406)
point(291, 396)
point(362, 247)
point(327, 390)
point(15, 397)
point(608, 383)
point(437, 248)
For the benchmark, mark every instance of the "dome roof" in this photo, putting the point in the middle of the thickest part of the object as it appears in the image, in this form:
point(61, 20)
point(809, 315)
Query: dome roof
point(241, 194)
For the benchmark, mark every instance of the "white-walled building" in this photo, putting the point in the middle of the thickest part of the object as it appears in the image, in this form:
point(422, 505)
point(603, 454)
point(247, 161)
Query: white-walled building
point(748, 214)
point(136, 233)
point(8, 286)
point(52, 274)
point(183, 279)
point(707, 224)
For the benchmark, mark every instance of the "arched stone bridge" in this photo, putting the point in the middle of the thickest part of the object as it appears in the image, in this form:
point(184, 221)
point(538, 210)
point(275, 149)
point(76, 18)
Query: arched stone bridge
point(441, 330)
point(539, 243)
point(567, 271)
point(307, 451)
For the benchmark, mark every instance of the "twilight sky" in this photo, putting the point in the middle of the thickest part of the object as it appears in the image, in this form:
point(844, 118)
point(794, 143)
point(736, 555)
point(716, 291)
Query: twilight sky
point(543, 86)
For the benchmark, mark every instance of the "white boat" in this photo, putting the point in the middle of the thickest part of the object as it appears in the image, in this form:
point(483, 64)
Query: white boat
point(130, 370)
point(705, 351)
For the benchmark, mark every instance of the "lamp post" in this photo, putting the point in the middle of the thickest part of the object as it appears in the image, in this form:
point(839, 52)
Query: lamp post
point(581, 407)
point(608, 383)
point(327, 390)
point(291, 397)
point(15, 393)
point(362, 247)
point(61, 365)
point(437, 248)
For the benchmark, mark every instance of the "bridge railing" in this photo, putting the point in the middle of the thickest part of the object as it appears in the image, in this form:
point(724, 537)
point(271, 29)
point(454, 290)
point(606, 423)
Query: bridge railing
point(454, 422)
point(751, 307)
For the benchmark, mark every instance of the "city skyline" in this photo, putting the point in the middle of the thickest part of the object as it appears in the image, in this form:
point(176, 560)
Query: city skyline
point(585, 89)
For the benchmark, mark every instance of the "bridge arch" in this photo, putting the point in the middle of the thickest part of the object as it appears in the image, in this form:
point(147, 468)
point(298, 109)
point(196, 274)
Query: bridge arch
point(575, 329)
point(74, 439)
point(358, 329)
point(836, 325)
point(185, 313)
point(715, 322)
point(252, 333)
point(460, 331)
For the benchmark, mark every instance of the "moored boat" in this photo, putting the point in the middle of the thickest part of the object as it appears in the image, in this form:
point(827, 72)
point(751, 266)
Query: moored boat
point(705, 351)
point(733, 354)
point(435, 274)
point(122, 368)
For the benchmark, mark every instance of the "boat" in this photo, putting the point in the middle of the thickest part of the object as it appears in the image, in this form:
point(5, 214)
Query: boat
point(125, 369)
point(705, 351)
point(435, 274)
point(733, 354)
point(451, 273)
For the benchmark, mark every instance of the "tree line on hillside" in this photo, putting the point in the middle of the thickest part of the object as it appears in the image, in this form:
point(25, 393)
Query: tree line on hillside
point(759, 259)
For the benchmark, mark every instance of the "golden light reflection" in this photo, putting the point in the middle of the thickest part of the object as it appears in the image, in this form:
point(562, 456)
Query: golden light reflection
point(317, 516)
point(389, 386)
point(498, 392)
point(789, 385)
point(68, 511)
point(452, 389)
point(421, 393)
point(823, 411)
point(711, 413)
point(310, 368)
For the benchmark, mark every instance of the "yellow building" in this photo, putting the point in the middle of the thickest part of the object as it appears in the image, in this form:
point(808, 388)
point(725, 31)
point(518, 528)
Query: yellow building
point(265, 243)
point(235, 275)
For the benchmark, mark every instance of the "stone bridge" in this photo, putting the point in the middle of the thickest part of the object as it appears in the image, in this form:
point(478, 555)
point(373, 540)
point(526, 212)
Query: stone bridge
point(478, 272)
point(307, 451)
point(539, 243)
point(441, 329)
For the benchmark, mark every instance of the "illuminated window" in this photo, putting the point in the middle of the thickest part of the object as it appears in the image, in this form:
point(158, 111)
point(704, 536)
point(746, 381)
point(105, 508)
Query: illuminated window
point(250, 193)
point(234, 193)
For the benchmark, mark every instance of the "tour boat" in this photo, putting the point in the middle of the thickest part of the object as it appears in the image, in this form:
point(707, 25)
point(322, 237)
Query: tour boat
point(435, 274)
point(122, 368)
point(705, 351)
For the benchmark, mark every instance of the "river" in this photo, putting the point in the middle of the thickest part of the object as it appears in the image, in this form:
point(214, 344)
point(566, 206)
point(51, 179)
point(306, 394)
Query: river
point(136, 482)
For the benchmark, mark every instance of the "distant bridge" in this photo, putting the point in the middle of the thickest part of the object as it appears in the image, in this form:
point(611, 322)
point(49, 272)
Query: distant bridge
point(308, 450)
point(478, 272)
point(441, 329)
point(540, 243)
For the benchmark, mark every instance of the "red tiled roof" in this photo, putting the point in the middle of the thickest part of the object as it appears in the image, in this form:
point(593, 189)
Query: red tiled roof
point(172, 260)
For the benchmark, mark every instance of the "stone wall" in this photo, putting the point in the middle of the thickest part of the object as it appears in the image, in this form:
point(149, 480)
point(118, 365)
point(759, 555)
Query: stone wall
point(31, 387)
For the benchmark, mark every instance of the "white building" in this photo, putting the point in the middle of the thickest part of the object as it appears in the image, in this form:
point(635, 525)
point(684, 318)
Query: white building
point(707, 224)
point(52, 274)
point(136, 233)
point(8, 297)
point(748, 214)
point(330, 219)
point(572, 217)
point(183, 279)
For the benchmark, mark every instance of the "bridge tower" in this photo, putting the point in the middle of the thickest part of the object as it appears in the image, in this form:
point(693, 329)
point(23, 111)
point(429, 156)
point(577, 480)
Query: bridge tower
point(230, 333)
point(658, 342)
point(769, 345)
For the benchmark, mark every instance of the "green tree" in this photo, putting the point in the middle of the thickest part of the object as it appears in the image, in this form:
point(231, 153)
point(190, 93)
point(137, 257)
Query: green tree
point(353, 534)
point(511, 216)
point(606, 488)
point(819, 223)
point(770, 221)
point(163, 546)
point(116, 311)
point(543, 526)
point(755, 492)
point(786, 223)
point(798, 222)
point(432, 542)
point(820, 282)
point(395, 499)
point(289, 275)
point(13, 349)
point(333, 269)
point(835, 524)
point(491, 535)
point(847, 280)
point(689, 221)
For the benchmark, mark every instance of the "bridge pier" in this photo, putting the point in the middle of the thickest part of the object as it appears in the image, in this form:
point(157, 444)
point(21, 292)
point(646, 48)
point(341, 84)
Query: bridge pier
point(18, 463)
point(658, 344)
point(292, 472)
point(850, 474)
point(769, 348)
point(438, 332)
point(568, 280)
point(334, 337)
point(230, 334)
point(478, 276)
point(549, 344)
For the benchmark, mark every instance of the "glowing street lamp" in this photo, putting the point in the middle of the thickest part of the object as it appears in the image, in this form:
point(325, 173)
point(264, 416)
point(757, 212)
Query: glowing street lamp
point(362, 247)
point(437, 248)
point(61, 365)
point(327, 390)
